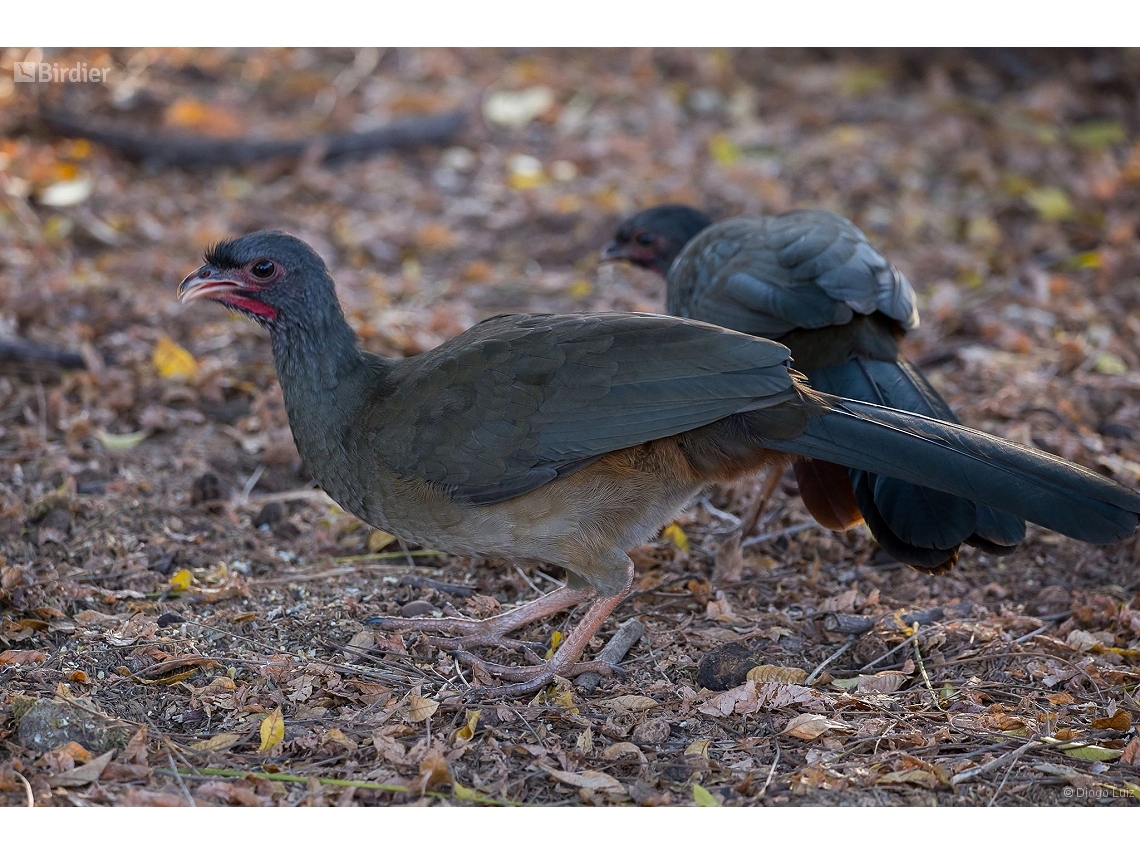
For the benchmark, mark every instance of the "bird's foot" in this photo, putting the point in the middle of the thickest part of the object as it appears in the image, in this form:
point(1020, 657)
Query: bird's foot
point(532, 650)
point(527, 679)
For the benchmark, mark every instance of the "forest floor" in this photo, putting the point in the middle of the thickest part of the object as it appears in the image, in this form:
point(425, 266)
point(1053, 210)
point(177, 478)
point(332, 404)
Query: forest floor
point(182, 612)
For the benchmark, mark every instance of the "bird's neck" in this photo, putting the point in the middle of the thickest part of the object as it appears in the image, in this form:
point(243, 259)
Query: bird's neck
point(323, 375)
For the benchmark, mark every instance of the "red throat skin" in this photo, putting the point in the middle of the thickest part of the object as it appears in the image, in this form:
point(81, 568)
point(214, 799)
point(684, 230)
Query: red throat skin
point(246, 304)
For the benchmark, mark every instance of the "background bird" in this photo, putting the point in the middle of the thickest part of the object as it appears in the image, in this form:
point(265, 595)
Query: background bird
point(571, 439)
point(811, 280)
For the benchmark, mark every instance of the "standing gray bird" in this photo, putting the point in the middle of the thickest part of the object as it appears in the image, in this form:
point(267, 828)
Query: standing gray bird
point(572, 439)
point(812, 281)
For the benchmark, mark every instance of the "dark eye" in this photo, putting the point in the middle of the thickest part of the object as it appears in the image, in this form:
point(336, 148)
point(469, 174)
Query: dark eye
point(645, 238)
point(263, 269)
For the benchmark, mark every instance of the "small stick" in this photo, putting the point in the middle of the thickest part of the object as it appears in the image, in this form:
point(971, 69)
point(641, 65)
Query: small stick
point(819, 668)
point(772, 535)
point(922, 666)
point(27, 789)
point(993, 764)
point(614, 651)
point(413, 581)
point(771, 772)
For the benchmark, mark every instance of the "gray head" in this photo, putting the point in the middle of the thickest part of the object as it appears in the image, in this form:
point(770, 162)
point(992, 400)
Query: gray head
point(271, 277)
point(654, 237)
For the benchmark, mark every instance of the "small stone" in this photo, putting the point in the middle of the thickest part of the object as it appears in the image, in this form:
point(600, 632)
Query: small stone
point(726, 666)
point(416, 608)
point(49, 724)
point(652, 732)
point(271, 513)
point(206, 488)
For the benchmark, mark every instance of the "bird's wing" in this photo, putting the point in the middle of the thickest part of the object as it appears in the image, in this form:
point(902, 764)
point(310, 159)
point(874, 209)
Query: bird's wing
point(520, 399)
point(770, 275)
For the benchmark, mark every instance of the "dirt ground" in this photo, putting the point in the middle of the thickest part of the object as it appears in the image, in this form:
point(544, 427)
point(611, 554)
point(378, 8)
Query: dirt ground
point(182, 613)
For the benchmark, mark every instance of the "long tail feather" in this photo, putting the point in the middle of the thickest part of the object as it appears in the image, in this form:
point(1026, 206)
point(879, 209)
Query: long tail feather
point(1015, 479)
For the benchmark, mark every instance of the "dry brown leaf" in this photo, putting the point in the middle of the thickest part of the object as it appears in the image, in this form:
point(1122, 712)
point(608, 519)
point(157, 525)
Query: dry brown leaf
point(420, 708)
point(434, 771)
point(588, 780)
point(1131, 755)
point(628, 703)
point(585, 741)
point(1121, 720)
point(80, 776)
point(883, 683)
point(917, 777)
point(22, 657)
point(217, 742)
point(810, 726)
point(623, 749)
point(777, 674)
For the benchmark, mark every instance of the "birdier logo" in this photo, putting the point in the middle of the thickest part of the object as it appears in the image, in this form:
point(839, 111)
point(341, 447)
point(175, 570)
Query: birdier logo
point(53, 72)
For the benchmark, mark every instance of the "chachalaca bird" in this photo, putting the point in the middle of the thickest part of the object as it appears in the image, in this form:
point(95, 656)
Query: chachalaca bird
point(571, 439)
point(812, 281)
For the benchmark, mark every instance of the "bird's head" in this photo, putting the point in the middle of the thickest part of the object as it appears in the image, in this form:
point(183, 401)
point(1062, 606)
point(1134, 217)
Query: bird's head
point(654, 237)
point(271, 277)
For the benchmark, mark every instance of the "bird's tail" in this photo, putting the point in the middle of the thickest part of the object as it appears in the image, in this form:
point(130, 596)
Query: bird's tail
point(951, 458)
point(914, 524)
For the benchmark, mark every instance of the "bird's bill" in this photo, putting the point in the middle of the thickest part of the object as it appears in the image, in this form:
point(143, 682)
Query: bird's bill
point(614, 251)
point(228, 292)
point(198, 287)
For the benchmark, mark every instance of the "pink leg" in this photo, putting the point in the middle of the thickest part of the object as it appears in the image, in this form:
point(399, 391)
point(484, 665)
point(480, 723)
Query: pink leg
point(491, 630)
point(565, 659)
point(751, 515)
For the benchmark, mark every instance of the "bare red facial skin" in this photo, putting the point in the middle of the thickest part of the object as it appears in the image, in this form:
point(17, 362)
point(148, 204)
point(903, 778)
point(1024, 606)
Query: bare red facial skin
point(247, 304)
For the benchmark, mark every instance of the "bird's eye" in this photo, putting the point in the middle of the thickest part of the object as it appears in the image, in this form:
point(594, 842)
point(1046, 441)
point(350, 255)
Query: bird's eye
point(646, 238)
point(263, 269)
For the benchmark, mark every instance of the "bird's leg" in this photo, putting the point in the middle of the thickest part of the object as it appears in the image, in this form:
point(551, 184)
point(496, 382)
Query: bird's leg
point(564, 662)
point(490, 631)
point(751, 515)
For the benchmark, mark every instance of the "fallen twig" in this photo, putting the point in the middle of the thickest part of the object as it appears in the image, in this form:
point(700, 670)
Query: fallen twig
point(615, 650)
point(996, 763)
point(161, 150)
point(467, 794)
point(819, 668)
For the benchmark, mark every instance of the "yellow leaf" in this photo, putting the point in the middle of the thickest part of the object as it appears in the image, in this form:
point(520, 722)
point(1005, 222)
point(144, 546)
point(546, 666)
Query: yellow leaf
point(1051, 203)
point(1093, 752)
point(120, 441)
point(555, 640)
point(173, 361)
point(1099, 133)
point(462, 792)
point(703, 797)
point(723, 150)
point(467, 732)
point(272, 731)
point(1110, 363)
point(580, 289)
point(676, 534)
point(217, 742)
point(377, 540)
point(698, 748)
point(181, 581)
point(421, 709)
